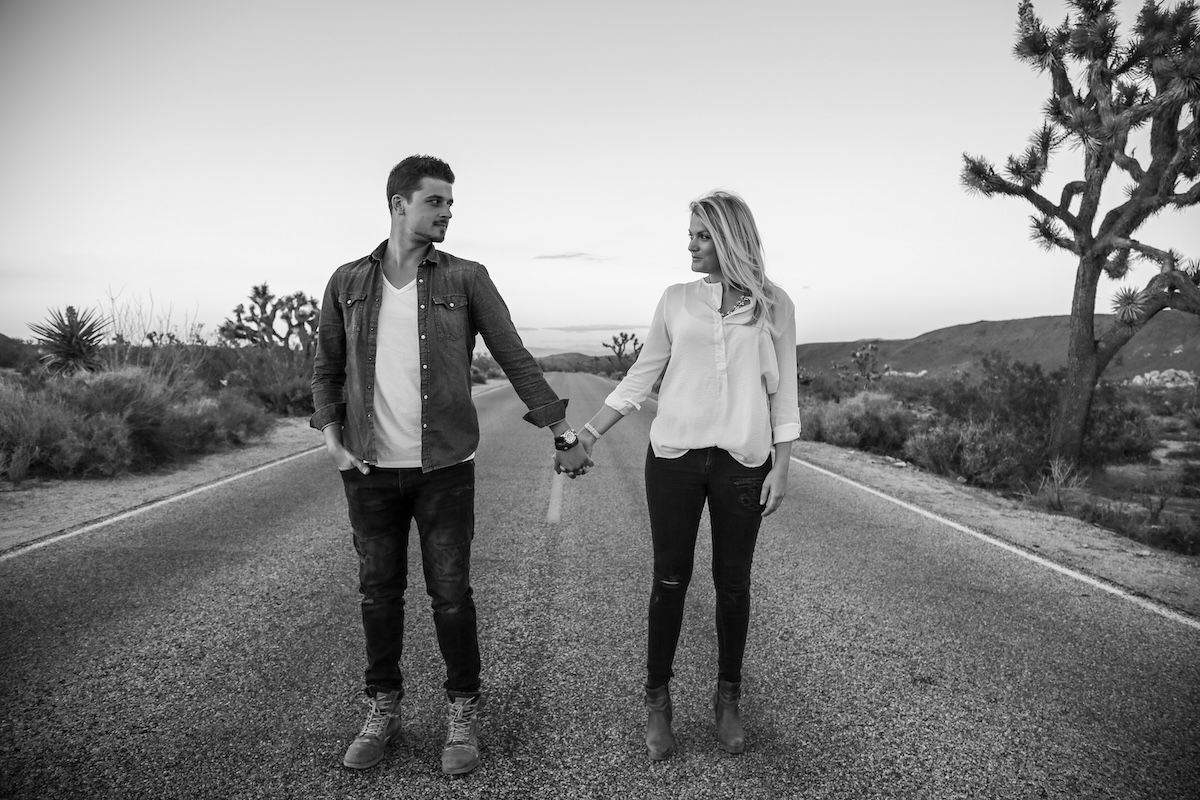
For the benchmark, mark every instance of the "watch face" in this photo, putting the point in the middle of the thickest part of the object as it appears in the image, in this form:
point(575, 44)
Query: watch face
point(569, 437)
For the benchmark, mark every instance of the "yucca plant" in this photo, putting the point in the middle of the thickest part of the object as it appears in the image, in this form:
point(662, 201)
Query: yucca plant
point(71, 341)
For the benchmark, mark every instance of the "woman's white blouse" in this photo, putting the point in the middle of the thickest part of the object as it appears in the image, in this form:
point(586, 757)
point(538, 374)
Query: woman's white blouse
point(728, 383)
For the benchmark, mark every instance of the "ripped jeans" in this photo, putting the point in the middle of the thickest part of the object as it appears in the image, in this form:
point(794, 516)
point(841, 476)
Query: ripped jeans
point(676, 490)
point(383, 504)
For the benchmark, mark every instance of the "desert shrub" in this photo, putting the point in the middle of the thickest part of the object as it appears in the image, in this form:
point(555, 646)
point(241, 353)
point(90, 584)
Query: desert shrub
point(43, 435)
point(1117, 430)
point(142, 400)
point(280, 379)
point(477, 375)
point(826, 386)
point(15, 354)
point(1008, 392)
point(869, 421)
point(937, 447)
point(109, 423)
point(242, 419)
point(983, 453)
point(28, 429)
point(821, 423)
point(997, 456)
point(1178, 533)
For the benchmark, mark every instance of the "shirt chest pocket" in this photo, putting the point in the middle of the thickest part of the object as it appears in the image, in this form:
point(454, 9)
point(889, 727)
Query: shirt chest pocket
point(354, 312)
point(450, 315)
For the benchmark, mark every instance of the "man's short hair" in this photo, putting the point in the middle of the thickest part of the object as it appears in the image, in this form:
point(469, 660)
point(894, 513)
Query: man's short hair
point(405, 177)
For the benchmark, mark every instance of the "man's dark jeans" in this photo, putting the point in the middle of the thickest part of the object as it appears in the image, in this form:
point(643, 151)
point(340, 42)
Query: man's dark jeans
point(676, 490)
point(383, 504)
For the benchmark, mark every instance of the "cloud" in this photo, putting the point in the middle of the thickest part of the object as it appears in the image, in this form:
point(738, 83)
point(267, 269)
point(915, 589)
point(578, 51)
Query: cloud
point(570, 257)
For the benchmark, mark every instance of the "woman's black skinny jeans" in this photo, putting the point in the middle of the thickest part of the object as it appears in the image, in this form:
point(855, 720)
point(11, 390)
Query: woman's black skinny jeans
point(676, 490)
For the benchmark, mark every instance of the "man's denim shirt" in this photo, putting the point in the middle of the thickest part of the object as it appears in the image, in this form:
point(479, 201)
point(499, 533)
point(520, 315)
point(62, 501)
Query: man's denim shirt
point(456, 299)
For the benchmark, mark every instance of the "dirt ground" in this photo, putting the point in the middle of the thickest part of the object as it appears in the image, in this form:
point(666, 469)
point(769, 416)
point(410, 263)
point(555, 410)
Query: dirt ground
point(37, 509)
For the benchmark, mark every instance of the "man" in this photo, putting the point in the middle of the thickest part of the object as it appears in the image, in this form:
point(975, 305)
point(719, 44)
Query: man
point(392, 393)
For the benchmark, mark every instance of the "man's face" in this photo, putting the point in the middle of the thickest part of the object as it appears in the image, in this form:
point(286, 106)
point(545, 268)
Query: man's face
point(427, 215)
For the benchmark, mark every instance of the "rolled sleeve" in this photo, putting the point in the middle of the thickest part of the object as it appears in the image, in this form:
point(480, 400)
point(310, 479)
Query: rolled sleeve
point(325, 416)
point(548, 414)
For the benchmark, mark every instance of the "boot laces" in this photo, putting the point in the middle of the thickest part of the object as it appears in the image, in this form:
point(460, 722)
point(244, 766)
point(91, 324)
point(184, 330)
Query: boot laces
point(462, 714)
point(377, 718)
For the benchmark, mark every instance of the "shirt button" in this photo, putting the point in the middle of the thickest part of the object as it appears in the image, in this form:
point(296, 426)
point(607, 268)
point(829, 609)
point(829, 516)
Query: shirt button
point(422, 336)
point(424, 366)
point(422, 306)
point(452, 305)
point(424, 397)
point(424, 425)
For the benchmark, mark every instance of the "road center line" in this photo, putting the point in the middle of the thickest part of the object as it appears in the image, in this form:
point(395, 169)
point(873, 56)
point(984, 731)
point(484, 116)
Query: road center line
point(1097, 583)
point(89, 527)
point(554, 512)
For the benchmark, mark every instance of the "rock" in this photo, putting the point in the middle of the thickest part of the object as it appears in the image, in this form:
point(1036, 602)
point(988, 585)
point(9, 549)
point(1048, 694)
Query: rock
point(1167, 378)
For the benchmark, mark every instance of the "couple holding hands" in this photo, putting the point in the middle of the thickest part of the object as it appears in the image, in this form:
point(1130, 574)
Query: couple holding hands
point(392, 398)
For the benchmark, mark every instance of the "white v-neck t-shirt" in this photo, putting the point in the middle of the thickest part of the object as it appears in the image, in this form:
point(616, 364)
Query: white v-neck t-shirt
point(398, 378)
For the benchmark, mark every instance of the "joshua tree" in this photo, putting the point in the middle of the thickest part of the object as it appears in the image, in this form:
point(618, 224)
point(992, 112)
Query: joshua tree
point(71, 341)
point(1105, 92)
point(260, 325)
point(621, 343)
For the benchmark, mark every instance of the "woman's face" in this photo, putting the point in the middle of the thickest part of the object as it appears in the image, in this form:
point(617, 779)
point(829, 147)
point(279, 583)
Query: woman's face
point(702, 248)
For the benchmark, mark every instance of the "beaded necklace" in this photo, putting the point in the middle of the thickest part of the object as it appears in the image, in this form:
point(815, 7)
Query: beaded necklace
point(742, 302)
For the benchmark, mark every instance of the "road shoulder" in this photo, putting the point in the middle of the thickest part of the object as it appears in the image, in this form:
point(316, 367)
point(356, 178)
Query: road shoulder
point(1168, 578)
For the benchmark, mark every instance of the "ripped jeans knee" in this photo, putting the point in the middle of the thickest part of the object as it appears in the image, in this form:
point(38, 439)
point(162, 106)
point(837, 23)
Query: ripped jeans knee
point(667, 585)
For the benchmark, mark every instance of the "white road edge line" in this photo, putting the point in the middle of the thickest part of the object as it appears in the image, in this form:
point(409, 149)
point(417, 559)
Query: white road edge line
point(1113, 589)
point(87, 528)
point(554, 512)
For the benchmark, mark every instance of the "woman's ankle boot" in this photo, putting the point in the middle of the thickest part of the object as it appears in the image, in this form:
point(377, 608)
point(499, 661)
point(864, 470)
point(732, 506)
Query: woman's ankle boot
point(660, 742)
point(729, 717)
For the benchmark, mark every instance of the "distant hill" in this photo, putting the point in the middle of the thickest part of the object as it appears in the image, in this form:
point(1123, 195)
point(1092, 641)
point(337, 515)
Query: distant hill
point(1171, 340)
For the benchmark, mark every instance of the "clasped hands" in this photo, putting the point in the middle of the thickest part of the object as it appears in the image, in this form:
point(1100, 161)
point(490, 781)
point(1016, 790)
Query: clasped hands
point(578, 459)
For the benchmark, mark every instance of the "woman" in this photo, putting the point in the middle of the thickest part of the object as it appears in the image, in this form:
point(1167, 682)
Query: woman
point(725, 346)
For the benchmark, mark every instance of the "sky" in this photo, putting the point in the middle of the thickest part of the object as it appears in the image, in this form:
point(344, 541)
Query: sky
point(161, 157)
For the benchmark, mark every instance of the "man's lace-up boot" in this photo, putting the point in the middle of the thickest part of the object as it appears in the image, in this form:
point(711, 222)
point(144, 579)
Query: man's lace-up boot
point(382, 725)
point(660, 742)
point(461, 752)
point(729, 716)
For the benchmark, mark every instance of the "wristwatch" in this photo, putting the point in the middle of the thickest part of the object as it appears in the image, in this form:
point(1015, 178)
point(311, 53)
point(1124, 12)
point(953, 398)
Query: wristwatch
point(568, 440)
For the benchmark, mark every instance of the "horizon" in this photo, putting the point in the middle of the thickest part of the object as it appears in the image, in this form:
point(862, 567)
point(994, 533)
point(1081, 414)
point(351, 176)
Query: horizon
point(536, 340)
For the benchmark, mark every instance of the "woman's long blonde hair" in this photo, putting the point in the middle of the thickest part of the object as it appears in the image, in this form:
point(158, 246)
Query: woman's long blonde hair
point(739, 248)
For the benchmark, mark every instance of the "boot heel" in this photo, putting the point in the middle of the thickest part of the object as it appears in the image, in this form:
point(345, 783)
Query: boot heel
point(660, 742)
point(728, 714)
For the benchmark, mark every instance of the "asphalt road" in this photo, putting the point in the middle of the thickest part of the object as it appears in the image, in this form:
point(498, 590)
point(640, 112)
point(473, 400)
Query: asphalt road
point(211, 648)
